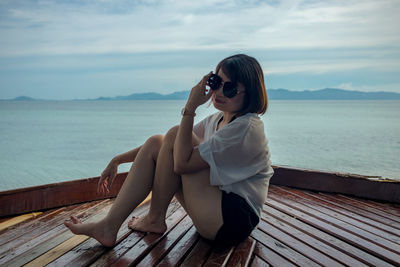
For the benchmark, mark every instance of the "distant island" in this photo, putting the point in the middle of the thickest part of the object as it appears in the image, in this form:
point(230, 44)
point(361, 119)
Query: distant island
point(273, 94)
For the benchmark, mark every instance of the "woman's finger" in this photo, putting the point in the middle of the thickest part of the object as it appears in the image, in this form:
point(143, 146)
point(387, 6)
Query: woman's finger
point(107, 186)
point(99, 185)
point(104, 187)
point(101, 181)
point(205, 78)
point(201, 86)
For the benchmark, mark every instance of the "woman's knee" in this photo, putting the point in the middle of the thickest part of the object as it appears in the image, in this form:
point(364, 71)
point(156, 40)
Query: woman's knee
point(171, 135)
point(154, 143)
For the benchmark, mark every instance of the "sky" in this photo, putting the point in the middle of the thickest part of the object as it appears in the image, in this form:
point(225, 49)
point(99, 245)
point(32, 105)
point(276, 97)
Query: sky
point(87, 49)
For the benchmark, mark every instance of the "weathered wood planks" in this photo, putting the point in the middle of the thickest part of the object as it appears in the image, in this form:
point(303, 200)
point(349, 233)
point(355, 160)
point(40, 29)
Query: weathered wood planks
point(297, 227)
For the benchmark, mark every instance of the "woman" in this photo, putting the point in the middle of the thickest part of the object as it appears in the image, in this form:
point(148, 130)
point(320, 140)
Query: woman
point(219, 170)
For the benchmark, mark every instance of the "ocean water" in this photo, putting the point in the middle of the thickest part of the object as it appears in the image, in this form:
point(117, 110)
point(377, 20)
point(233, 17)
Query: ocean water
point(53, 141)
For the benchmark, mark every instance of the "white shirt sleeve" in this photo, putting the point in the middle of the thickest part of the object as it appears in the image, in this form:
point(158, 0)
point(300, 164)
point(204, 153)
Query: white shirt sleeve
point(199, 128)
point(235, 152)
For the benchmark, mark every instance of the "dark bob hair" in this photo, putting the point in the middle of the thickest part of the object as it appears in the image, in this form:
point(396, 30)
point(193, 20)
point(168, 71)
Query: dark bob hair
point(246, 70)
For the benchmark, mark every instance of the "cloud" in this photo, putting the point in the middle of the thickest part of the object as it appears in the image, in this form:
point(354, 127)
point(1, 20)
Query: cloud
point(390, 87)
point(140, 26)
point(346, 86)
point(46, 44)
point(327, 66)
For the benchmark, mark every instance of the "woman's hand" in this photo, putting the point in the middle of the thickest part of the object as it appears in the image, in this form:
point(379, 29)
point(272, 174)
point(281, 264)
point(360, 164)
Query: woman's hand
point(107, 177)
point(199, 95)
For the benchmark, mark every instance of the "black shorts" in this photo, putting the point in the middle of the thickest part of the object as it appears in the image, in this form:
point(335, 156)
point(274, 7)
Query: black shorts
point(239, 220)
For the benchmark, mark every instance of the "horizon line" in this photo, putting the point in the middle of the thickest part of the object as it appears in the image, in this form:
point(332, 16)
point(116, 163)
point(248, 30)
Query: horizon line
point(22, 97)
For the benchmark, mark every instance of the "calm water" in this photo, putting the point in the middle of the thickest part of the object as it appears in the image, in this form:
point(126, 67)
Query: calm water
point(46, 142)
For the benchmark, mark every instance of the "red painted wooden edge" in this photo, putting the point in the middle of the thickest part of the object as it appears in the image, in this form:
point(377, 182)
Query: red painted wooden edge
point(349, 184)
point(42, 197)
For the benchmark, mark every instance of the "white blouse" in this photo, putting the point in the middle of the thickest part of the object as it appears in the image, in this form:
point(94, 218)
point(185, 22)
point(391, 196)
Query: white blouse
point(238, 156)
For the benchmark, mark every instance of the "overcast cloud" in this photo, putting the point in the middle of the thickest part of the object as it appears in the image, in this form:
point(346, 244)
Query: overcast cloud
point(87, 49)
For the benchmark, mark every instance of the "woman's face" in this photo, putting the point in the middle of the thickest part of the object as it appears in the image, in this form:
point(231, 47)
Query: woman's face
point(224, 103)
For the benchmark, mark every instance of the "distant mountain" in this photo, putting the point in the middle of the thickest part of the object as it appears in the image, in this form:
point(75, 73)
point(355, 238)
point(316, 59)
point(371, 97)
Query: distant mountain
point(330, 94)
point(24, 98)
point(279, 94)
point(273, 94)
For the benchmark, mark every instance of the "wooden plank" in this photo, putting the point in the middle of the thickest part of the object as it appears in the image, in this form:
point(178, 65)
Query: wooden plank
point(57, 251)
point(91, 249)
point(111, 255)
point(388, 207)
point(23, 235)
point(309, 224)
point(282, 249)
point(165, 245)
point(176, 256)
point(54, 195)
point(373, 234)
point(270, 256)
point(297, 245)
point(219, 256)
point(318, 240)
point(41, 248)
point(355, 185)
point(105, 256)
point(136, 253)
point(198, 255)
point(258, 262)
point(16, 220)
point(372, 208)
point(3, 219)
point(372, 218)
point(48, 241)
point(344, 215)
point(243, 253)
point(317, 220)
point(44, 237)
point(27, 231)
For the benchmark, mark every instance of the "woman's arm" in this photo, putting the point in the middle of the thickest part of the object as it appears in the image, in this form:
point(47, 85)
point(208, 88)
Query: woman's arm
point(110, 172)
point(187, 157)
point(127, 156)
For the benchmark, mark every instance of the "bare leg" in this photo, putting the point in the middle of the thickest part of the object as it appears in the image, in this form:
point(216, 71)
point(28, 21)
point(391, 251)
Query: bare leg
point(166, 184)
point(203, 203)
point(201, 200)
point(136, 187)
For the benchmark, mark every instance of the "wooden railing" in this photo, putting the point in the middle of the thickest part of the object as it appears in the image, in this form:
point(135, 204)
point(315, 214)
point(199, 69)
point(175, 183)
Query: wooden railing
point(66, 193)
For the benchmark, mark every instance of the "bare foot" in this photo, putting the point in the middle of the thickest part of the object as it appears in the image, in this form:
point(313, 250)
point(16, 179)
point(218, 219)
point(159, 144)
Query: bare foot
point(96, 230)
point(145, 224)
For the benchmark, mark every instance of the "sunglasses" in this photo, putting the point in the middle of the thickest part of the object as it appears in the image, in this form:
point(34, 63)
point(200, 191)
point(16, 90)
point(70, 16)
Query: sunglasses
point(229, 88)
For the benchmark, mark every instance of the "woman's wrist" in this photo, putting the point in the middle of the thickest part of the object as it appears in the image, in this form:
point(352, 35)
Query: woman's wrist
point(190, 108)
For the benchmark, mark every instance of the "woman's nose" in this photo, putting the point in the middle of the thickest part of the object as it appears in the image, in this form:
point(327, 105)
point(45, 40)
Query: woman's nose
point(218, 92)
point(219, 87)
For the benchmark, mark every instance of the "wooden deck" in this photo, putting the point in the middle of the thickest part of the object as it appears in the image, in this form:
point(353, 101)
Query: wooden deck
point(298, 228)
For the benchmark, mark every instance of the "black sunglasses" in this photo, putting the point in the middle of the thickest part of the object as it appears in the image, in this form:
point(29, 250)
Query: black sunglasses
point(229, 88)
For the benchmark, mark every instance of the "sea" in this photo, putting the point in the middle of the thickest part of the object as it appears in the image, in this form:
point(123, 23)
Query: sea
point(45, 142)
